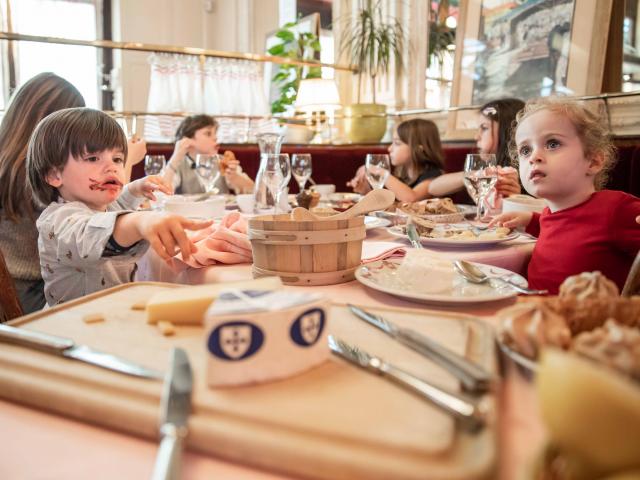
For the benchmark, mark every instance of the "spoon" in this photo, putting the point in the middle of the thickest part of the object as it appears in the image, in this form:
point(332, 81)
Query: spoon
point(301, 214)
point(414, 238)
point(378, 199)
point(474, 275)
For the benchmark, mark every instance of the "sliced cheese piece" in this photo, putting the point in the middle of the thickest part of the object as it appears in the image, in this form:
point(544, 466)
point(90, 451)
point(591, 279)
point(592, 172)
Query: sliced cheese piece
point(93, 318)
point(166, 328)
point(188, 305)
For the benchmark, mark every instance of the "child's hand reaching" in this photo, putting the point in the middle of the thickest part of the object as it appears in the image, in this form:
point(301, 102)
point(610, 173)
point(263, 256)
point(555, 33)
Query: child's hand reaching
point(183, 146)
point(137, 149)
point(146, 186)
point(511, 220)
point(165, 233)
point(508, 183)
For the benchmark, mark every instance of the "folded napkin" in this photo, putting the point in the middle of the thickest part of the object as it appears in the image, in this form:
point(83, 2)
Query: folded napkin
point(372, 252)
point(226, 242)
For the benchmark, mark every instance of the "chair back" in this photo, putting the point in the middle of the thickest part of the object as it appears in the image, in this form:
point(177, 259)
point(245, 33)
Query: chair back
point(10, 307)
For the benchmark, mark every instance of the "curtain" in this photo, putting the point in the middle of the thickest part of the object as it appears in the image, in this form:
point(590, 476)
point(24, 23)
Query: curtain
point(217, 86)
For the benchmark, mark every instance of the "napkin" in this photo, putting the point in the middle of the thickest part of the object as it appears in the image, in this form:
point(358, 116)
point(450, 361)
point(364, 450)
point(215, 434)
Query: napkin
point(226, 242)
point(373, 252)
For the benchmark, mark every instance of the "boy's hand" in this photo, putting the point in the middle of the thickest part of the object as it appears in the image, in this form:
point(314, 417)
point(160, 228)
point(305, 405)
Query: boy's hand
point(146, 186)
point(638, 219)
point(359, 182)
point(512, 220)
point(183, 146)
point(165, 233)
point(508, 183)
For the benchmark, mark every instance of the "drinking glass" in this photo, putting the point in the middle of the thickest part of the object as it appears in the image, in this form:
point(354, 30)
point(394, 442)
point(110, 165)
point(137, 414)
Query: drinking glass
point(301, 168)
point(154, 164)
point(377, 167)
point(208, 168)
point(276, 174)
point(480, 175)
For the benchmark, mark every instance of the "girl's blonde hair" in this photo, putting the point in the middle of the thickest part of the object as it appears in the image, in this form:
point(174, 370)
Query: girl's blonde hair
point(43, 94)
point(593, 134)
point(423, 139)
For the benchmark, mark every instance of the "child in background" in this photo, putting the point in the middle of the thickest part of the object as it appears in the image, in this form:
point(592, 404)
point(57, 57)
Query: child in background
point(416, 154)
point(564, 154)
point(493, 136)
point(90, 234)
point(197, 134)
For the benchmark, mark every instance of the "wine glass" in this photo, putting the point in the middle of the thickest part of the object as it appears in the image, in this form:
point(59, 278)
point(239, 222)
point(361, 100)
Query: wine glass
point(277, 173)
point(377, 167)
point(208, 168)
point(301, 168)
point(154, 164)
point(480, 175)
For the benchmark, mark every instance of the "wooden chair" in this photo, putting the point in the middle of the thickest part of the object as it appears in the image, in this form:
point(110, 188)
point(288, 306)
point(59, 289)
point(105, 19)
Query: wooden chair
point(9, 303)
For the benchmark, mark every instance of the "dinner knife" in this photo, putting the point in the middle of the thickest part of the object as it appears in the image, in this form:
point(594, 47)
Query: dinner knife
point(66, 347)
point(473, 377)
point(472, 413)
point(175, 408)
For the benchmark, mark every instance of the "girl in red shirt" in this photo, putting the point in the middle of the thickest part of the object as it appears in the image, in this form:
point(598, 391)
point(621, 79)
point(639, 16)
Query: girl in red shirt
point(564, 153)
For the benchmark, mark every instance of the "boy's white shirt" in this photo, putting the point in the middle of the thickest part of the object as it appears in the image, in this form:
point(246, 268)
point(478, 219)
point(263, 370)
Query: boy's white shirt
point(71, 242)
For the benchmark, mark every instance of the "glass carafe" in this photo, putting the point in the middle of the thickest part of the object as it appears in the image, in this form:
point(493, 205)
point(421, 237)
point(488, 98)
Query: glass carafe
point(268, 143)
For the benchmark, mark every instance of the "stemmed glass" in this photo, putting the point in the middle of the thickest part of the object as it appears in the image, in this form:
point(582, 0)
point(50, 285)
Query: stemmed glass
point(277, 173)
point(377, 168)
point(208, 168)
point(301, 168)
point(154, 164)
point(480, 175)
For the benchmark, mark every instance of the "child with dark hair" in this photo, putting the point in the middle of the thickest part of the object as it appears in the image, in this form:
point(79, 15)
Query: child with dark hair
point(90, 234)
point(417, 157)
point(493, 136)
point(197, 134)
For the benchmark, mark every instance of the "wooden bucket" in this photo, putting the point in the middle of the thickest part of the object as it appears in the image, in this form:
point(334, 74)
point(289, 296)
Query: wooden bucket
point(306, 253)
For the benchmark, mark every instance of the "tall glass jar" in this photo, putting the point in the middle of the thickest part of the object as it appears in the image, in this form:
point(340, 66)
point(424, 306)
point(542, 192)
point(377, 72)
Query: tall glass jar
point(268, 143)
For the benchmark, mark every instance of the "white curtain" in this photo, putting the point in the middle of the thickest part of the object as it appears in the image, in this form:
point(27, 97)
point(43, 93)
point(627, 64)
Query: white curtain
point(179, 83)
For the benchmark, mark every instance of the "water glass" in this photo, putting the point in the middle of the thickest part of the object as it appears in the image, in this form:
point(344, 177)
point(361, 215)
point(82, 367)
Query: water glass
point(154, 164)
point(301, 168)
point(208, 169)
point(377, 168)
point(276, 174)
point(480, 176)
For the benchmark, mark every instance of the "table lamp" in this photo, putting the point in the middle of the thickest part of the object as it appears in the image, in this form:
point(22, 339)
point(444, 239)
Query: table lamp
point(318, 95)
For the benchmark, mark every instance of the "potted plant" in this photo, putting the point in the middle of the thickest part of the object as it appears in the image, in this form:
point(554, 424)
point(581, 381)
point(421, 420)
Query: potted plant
point(296, 45)
point(370, 43)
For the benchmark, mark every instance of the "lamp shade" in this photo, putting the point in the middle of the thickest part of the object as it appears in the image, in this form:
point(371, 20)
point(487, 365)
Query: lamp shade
point(316, 94)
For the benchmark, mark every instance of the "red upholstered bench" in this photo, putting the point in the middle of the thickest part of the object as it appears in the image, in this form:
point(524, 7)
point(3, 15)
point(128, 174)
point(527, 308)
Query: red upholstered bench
point(337, 163)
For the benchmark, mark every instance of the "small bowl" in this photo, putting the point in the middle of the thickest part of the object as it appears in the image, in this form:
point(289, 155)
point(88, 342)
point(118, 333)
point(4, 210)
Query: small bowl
point(187, 206)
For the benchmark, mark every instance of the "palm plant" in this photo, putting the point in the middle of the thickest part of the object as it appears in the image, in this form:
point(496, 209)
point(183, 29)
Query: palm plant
point(371, 43)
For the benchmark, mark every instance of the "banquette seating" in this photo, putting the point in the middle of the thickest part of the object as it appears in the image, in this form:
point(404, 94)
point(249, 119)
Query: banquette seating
point(337, 163)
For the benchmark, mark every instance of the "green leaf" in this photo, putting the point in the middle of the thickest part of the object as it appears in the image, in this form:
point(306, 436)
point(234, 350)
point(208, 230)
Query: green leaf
point(276, 50)
point(286, 35)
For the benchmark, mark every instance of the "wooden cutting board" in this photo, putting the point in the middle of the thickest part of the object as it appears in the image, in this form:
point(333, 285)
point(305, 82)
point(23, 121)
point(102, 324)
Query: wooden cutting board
point(335, 421)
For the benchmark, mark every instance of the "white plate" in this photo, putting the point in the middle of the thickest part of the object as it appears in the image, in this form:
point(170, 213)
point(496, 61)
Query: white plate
point(383, 276)
point(454, 243)
point(375, 222)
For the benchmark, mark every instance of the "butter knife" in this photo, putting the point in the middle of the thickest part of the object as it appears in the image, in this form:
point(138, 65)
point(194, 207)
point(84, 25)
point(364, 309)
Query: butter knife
point(471, 413)
point(66, 347)
point(175, 409)
point(473, 377)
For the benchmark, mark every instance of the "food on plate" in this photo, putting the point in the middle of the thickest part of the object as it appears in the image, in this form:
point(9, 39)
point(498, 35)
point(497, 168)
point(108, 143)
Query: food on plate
point(187, 305)
point(419, 268)
point(602, 326)
point(93, 318)
point(324, 211)
point(423, 227)
point(166, 328)
point(308, 199)
point(429, 229)
point(432, 206)
point(592, 415)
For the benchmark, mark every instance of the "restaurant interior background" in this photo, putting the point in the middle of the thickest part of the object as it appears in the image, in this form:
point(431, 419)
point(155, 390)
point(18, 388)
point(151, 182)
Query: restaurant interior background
point(126, 81)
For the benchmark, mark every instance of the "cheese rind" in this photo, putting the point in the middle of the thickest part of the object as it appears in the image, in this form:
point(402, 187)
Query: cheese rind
point(187, 306)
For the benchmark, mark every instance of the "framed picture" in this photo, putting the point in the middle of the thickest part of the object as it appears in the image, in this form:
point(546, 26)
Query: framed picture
point(526, 49)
